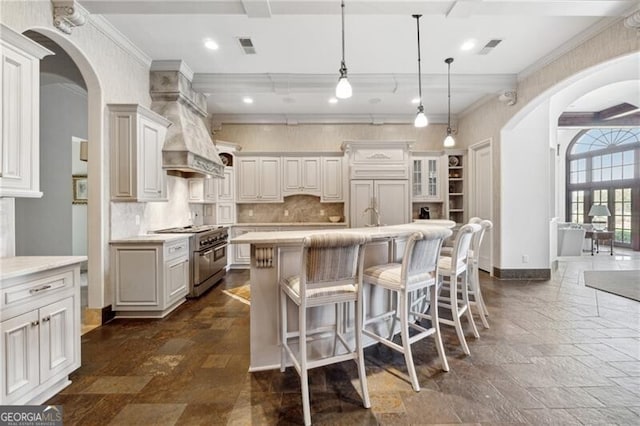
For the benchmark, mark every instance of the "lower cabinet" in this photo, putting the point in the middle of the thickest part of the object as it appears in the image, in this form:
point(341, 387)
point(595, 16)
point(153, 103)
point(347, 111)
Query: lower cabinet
point(40, 344)
point(151, 278)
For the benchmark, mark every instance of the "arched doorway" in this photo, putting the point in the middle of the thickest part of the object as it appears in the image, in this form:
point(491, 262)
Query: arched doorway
point(97, 205)
point(527, 172)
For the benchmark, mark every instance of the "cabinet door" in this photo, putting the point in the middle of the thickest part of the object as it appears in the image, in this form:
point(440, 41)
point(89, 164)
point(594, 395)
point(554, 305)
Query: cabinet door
point(19, 356)
point(310, 171)
point(136, 279)
point(210, 190)
point(57, 344)
point(361, 200)
point(332, 179)
point(392, 201)
point(417, 179)
point(248, 176)
point(432, 178)
point(18, 160)
point(225, 185)
point(151, 175)
point(270, 180)
point(177, 279)
point(225, 213)
point(292, 175)
point(242, 252)
point(196, 190)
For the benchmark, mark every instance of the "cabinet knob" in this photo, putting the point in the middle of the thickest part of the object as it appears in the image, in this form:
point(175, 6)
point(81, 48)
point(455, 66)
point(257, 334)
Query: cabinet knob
point(45, 319)
point(35, 323)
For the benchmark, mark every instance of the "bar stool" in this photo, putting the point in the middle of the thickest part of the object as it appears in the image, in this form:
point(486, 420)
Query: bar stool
point(416, 273)
point(330, 274)
point(473, 262)
point(454, 269)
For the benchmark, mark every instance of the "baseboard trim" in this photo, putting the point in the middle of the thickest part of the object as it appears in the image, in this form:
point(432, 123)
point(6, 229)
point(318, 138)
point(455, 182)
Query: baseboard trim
point(522, 274)
point(107, 314)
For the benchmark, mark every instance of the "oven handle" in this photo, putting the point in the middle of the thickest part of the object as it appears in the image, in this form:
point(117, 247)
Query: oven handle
point(205, 252)
point(220, 246)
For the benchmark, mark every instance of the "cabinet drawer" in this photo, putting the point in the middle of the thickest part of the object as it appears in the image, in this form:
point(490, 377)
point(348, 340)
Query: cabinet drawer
point(36, 289)
point(177, 249)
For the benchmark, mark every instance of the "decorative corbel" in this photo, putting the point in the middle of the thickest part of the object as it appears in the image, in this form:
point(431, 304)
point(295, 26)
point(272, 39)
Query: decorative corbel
point(67, 14)
point(633, 21)
point(509, 97)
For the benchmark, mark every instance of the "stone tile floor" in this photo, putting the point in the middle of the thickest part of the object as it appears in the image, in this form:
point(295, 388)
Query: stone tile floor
point(556, 353)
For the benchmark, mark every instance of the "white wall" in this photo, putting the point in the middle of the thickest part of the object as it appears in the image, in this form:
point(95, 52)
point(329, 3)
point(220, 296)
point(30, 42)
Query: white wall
point(44, 226)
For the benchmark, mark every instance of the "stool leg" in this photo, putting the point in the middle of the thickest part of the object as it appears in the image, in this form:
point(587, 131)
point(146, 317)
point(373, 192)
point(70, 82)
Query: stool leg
point(304, 376)
point(456, 315)
point(465, 299)
point(475, 285)
point(435, 324)
point(283, 331)
point(404, 325)
point(360, 360)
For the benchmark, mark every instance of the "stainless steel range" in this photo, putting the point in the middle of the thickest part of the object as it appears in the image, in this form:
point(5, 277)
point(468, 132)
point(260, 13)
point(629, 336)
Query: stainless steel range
point(208, 260)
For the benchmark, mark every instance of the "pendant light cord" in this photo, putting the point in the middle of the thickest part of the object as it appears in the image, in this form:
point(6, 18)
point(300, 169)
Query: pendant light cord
point(342, 11)
point(449, 95)
point(419, 68)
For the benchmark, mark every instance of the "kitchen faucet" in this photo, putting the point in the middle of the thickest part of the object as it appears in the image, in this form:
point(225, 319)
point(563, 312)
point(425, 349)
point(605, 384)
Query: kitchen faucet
point(376, 212)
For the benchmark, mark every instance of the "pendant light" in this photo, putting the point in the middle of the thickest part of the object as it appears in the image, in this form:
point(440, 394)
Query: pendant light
point(449, 141)
point(343, 89)
point(421, 119)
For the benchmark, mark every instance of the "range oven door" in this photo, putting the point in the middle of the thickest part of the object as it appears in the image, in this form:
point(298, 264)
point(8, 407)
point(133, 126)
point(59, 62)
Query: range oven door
point(203, 267)
point(219, 258)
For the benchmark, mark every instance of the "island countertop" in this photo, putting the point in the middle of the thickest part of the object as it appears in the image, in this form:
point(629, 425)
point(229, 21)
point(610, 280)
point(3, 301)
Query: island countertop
point(296, 236)
point(11, 267)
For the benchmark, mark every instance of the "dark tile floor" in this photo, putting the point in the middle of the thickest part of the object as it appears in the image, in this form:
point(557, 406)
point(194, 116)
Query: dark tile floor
point(556, 353)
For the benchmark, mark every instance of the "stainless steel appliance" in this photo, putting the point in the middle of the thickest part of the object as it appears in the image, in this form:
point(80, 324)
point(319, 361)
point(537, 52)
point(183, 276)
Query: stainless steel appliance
point(208, 259)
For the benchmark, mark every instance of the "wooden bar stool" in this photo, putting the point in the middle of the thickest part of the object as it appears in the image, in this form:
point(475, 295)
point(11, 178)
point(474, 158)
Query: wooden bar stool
point(330, 274)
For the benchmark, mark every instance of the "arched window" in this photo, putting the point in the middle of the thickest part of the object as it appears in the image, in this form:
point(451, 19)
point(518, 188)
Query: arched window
point(603, 167)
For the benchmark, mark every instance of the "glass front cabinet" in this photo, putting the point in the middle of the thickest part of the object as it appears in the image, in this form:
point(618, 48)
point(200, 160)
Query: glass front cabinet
point(426, 178)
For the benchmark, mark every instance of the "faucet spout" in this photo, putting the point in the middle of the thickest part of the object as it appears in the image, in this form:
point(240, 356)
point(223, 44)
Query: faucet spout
point(375, 211)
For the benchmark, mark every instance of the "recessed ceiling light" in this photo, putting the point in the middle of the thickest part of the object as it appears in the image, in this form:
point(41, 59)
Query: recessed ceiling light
point(247, 100)
point(333, 101)
point(468, 44)
point(415, 101)
point(210, 44)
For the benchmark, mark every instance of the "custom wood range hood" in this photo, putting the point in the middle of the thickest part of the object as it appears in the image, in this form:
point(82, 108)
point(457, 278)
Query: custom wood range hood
point(188, 150)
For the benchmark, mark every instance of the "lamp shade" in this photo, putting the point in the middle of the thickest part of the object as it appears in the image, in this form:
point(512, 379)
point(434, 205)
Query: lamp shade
point(599, 210)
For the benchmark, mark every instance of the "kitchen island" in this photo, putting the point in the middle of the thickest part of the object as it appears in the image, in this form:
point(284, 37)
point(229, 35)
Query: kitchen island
point(276, 254)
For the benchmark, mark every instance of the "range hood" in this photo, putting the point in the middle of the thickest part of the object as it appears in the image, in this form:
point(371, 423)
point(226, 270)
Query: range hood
point(188, 150)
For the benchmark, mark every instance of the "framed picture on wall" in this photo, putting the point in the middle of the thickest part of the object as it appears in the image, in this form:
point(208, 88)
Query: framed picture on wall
point(80, 189)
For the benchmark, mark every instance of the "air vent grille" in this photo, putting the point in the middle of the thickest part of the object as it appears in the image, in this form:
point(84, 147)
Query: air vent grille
point(489, 46)
point(247, 45)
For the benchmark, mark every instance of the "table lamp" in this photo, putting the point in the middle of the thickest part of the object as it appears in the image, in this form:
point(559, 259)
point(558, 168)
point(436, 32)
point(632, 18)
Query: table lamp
point(598, 212)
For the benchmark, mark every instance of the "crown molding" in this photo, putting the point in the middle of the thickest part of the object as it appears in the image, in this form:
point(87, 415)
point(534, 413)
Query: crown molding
point(173, 65)
point(294, 119)
point(106, 28)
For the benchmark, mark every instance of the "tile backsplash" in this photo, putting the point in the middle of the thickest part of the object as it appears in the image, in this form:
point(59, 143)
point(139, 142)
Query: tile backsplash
point(295, 208)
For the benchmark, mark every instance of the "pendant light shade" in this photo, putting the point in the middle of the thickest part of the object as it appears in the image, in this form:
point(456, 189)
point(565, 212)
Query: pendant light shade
point(449, 141)
point(343, 89)
point(421, 119)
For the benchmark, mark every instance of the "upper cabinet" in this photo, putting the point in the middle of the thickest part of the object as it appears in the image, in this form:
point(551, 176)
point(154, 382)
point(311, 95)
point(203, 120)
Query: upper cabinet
point(301, 175)
point(136, 138)
point(20, 108)
point(426, 180)
point(332, 180)
point(258, 179)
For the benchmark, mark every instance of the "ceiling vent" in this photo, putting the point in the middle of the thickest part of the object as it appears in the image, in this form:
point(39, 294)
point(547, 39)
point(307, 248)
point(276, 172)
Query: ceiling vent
point(489, 46)
point(247, 45)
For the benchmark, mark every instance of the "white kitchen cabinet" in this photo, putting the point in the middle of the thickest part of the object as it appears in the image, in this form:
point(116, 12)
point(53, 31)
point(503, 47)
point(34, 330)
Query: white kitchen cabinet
point(258, 180)
point(150, 276)
point(332, 180)
point(225, 186)
point(390, 198)
point(225, 213)
point(39, 327)
point(203, 190)
point(20, 112)
point(426, 180)
point(301, 175)
point(137, 135)
point(241, 252)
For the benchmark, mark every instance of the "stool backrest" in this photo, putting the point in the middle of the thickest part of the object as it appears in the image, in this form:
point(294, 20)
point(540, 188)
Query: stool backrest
point(331, 259)
point(478, 236)
point(463, 244)
point(422, 252)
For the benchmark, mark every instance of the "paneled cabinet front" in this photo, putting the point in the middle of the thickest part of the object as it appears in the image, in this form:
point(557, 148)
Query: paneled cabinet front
point(258, 180)
point(426, 180)
point(39, 348)
point(151, 278)
point(301, 175)
point(19, 109)
point(137, 136)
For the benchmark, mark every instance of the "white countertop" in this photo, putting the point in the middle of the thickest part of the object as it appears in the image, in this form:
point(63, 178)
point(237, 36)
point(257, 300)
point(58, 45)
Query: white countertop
point(296, 237)
point(11, 267)
point(276, 224)
point(159, 238)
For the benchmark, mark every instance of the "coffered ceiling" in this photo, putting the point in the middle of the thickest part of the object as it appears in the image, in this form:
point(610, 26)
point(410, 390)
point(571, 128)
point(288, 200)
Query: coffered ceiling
point(293, 73)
